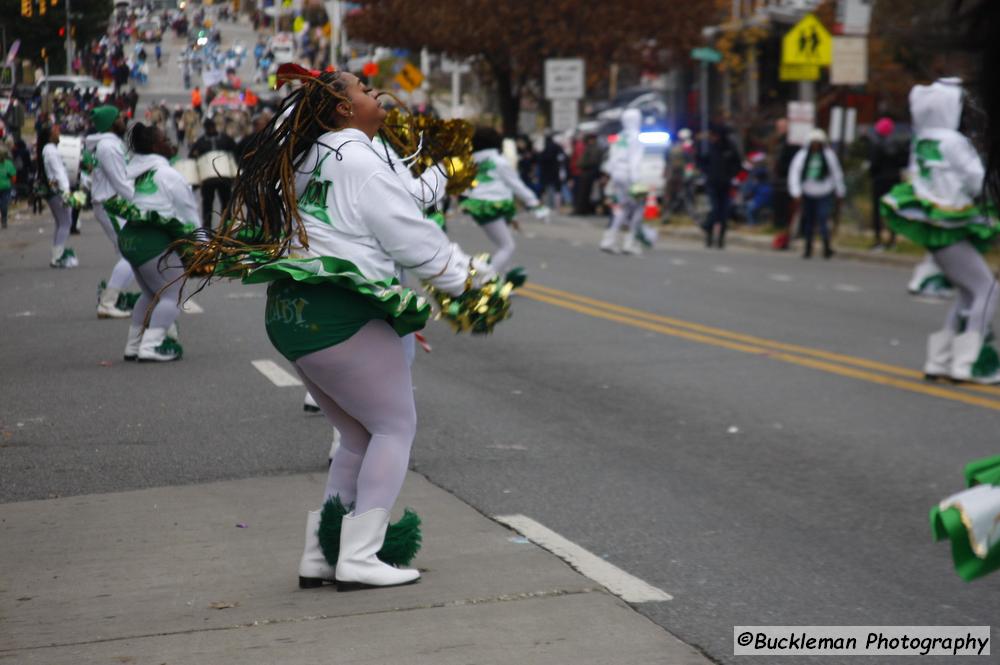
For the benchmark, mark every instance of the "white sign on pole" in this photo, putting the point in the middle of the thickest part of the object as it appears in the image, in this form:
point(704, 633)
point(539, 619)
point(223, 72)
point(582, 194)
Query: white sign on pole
point(851, 125)
point(565, 115)
point(836, 124)
point(854, 16)
point(801, 120)
point(850, 61)
point(449, 66)
point(564, 78)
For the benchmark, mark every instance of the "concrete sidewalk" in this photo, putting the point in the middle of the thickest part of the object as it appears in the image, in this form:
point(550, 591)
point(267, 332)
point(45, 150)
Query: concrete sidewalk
point(165, 575)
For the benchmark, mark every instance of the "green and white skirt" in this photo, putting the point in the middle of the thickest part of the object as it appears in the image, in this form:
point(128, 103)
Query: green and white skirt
point(934, 228)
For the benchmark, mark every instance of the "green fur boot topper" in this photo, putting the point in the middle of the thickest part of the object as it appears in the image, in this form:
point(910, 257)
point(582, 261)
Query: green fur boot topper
point(402, 539)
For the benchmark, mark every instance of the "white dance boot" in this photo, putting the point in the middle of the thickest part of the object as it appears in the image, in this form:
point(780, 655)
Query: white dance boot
point(361, 537)
point(309, 404)
point(968, 349)
point(631, 245)
point(313, 568)
point(107, 308)
point(133, 342)
point(153, 349)
point(939, 353)
point(609, 241)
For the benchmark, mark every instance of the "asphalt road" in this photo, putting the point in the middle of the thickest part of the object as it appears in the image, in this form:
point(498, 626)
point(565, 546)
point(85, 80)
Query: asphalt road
point(752, 485)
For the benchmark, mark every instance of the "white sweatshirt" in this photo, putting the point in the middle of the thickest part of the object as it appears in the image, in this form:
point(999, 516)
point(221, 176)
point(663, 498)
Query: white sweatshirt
point(428, 189)
point(165, 191)
point(356, 209)
point(945, 168)
point(497, 180)
point(109, 176)
point(55, 170)
point(832, 183)
point(625, 154)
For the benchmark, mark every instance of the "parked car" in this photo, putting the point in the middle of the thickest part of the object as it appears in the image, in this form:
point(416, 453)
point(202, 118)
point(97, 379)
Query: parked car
point(79, 83)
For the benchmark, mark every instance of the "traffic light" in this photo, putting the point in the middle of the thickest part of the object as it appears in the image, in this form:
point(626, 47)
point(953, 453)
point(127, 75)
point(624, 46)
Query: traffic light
point(41, 7)
point(62, 32)
point(26, 8)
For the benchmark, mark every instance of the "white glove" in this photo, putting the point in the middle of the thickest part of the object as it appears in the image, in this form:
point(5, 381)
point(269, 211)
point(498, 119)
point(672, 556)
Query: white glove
point(541, 212)
point(482, 271)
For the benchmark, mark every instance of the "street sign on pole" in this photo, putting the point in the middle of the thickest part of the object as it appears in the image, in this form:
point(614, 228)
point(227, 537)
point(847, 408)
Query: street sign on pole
point(706, 54)
point(850, 61)
point(808, 43)
point(409, 78)
point(564, 78)
point(854, 16)
point(798, 72)
point(801, 120)
point(564, 114)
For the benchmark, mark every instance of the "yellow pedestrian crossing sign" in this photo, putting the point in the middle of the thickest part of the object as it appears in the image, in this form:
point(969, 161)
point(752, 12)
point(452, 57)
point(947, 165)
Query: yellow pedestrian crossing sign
point(808, 43)
point(409, 78)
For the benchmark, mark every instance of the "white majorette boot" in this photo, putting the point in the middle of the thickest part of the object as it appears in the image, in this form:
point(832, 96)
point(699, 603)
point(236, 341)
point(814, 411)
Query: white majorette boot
point(57, 252)
point(314, 568)
point(968, 351)
point(631, 245)
point(609, 241)
point(153, 349)
point(133, 342)
point(939, 352)
point(107, 308)
point(361, 537)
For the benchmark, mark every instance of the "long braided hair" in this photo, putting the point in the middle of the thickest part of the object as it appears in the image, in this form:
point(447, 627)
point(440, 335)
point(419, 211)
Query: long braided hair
point(262, 218)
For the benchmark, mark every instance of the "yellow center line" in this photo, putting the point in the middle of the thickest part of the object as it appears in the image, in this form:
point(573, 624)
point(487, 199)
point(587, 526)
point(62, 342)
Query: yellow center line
point(751, 339)
point(756, 349)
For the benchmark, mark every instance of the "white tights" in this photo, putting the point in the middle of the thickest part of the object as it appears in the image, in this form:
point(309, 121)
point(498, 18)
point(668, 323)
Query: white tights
point(498, 231)
point(121, 274)
point(978, 290)
point(151, 278)
point(364, 389)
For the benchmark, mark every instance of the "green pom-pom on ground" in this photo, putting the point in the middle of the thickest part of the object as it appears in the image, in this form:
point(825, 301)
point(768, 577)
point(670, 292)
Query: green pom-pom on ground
point(402, 539)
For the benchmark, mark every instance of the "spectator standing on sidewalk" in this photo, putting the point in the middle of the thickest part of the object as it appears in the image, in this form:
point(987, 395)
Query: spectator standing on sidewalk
point(590, 171)
point(720, 161)
point(816, 185)
point(887, 158)
point(8, 174)
point(782, 152)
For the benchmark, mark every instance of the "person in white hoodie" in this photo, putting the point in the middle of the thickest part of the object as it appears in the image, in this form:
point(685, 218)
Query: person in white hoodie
point(622, 166)
point(816, 185)
point(320, 215)
point(110, 180)
point(490, 201)
point(54, 184)
point(163, 210)
point(938, 209)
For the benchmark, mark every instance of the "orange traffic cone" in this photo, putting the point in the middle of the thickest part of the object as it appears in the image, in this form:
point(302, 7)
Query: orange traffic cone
point(652, 208)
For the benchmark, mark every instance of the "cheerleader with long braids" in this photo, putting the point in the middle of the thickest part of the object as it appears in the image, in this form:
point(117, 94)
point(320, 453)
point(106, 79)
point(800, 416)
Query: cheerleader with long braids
point(318, 214)
point(163, 210)
point(54, 184)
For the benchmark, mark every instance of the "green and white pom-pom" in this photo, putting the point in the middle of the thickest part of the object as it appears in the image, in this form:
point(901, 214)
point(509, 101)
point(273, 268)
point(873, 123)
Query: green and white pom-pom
point(402, 539)
point(76, 199)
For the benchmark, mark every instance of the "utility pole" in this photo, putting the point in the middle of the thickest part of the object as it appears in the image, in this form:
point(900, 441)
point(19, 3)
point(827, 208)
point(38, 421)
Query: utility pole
point(69, 42)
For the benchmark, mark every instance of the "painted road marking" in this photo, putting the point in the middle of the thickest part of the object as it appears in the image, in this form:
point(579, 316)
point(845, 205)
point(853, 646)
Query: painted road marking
point(191, 307)
point(725, 270)
point(847, 288)
point(275, 373)
point(835, 363)
point(628, 587)
point(779, 277)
